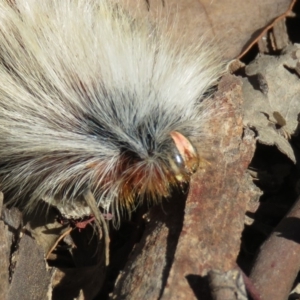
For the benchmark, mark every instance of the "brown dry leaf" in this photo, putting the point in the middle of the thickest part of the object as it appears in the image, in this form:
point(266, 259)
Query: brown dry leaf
point(233, 25)
point(47, 231)
point(79, 256)
point(272, 98)
point(181, 244)
point(76, 269)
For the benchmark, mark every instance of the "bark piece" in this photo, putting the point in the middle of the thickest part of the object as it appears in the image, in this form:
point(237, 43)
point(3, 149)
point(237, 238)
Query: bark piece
point(31, 277)
point(4, 256)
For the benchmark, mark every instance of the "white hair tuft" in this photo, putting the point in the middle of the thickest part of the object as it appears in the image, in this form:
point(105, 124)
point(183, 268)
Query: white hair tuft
point(92, 99)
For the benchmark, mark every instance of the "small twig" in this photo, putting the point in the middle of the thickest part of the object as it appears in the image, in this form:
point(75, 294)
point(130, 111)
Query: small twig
point(60, 238)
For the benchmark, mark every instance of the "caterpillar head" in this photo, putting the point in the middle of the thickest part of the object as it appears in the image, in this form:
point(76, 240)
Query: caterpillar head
point(154, 178)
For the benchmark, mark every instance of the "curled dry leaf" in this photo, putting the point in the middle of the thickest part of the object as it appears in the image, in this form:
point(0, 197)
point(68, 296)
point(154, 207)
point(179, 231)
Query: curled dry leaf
point(273, 110)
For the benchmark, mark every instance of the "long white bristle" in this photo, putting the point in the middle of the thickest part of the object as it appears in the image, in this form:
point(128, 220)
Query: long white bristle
point(89, 96)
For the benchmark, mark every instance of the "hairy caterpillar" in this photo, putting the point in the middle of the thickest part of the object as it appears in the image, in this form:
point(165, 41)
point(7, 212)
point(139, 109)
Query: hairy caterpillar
point(93, 101)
